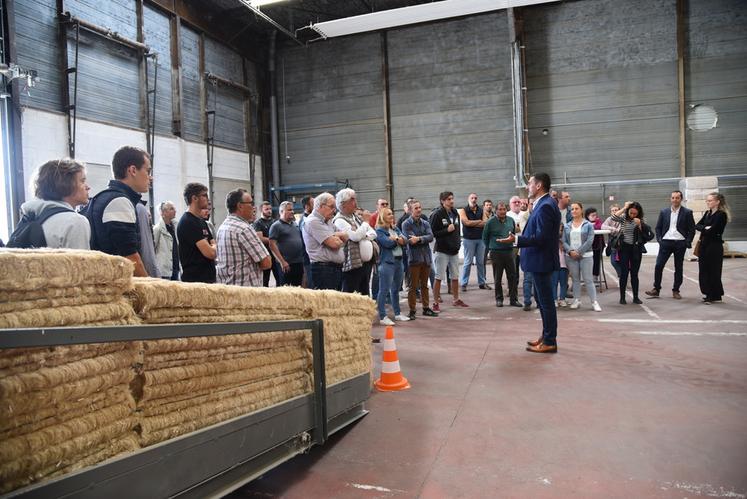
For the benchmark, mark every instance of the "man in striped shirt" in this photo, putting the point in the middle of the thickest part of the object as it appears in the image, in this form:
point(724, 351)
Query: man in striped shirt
point(241, 255)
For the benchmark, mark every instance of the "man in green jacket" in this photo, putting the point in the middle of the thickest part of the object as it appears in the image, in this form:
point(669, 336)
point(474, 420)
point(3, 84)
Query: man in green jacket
point(501, 254)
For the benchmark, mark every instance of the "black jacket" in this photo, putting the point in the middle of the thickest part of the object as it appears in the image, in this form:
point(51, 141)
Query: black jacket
point(685, 224)
point(114, 237)
point(446, 242)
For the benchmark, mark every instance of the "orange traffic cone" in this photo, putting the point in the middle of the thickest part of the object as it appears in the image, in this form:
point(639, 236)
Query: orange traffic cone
point(391, 377)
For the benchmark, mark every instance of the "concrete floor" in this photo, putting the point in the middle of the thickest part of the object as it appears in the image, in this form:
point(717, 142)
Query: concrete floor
point(640, 401)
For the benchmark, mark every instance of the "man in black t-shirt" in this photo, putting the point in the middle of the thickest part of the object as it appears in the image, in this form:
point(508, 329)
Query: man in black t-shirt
point(197, 250)
point(262, 227)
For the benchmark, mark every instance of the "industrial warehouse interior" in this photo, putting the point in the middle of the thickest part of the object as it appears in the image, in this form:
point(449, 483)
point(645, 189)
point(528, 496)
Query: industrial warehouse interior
point(373, 248)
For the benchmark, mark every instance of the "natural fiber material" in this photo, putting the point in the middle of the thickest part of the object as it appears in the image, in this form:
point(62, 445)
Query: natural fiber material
point(125, 444)
point(17, 360)
point(215, 412)
point(223, 380)
point(65, 452)
point(113, 289)
point(49, 377)
point(187, 400)
point(118, 311)
point(60, 268)
point(65, 410)
point(33, 401)
point(31, 443)
point(105, 295)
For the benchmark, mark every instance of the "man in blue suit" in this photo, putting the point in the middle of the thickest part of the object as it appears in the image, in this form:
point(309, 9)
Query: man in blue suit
point(539, 255)
point(675, 230)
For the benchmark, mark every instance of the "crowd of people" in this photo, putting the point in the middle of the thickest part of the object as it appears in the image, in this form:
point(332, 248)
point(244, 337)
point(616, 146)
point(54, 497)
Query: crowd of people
point(335, 244)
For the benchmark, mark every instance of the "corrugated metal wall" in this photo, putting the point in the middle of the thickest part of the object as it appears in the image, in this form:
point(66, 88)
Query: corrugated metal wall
point(330, 114)
point(451, 110)
point(716, 75)
point(227, 102)
point(602, 82)
point(157, 35)
point(37, 46)
point(190, 63)
point(108, 73)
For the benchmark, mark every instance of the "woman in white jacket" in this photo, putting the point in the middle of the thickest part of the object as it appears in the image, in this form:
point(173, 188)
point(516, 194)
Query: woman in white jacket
point(578, 238)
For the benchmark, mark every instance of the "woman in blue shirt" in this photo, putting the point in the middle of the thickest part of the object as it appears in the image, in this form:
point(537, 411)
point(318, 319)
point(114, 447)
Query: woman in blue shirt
point(391, 242)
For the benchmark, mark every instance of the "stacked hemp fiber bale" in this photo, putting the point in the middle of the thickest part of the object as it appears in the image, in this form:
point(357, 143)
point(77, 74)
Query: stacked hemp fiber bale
point(190, 383)
point(63, 408)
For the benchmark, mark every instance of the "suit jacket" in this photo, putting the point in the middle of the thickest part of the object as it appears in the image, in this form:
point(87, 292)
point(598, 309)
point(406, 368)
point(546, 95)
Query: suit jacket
point(685, 224)
point(540, 238)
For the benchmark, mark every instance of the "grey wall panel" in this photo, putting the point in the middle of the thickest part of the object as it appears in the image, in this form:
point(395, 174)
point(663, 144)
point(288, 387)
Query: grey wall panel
point(602, 82)
point(330, 110)
point(190, 62)
point(37, 47)
point(118, 15)
point(157, 35)
point(228, 102)
point(451, 110)
point(717, 76)
point(108, 80)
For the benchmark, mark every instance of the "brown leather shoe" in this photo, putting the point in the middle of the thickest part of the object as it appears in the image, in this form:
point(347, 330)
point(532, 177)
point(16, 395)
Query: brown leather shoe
point(676, 295)
point(654, 293)
point(542, 348)
point(535, 342)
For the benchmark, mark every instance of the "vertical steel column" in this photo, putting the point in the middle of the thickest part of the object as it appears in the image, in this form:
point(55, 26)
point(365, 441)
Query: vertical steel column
point(681, 42)
point(320, 383)
point(387, 118)
point(274, 116)
point(69, 104)
point(14, 152)
point(518, 90)
point(176, 75)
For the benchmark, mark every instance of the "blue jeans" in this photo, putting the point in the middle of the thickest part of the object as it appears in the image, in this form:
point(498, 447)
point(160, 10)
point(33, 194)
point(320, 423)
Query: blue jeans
point(560, 277)
point(543, 295)
point(473, 248)
point(528, 287)
point(615, 263)
point(390, 279)
point(582, 269)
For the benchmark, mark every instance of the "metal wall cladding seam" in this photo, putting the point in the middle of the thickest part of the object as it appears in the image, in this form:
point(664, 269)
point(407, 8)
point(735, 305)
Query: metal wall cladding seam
point(227, 102)
point(119, 16)
point(38, 48)
point(190, 64)
point(330, 114)
point(157, 35)
point(602, 85)
point(716, 72)
point(451, 110)
point(108, 80)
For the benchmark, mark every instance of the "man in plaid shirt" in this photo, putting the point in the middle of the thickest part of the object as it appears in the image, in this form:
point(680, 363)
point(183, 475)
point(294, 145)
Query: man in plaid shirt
point(241, 255)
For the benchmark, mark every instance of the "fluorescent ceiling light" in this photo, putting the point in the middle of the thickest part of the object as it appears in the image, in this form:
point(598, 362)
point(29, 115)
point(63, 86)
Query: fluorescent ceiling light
point(414, 14)
point(260, 3)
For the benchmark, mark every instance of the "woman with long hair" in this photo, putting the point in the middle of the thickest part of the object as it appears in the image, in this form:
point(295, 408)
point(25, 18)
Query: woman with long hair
point(578, 239)
point(391, 242)
point(635, 235)
point(711, 257)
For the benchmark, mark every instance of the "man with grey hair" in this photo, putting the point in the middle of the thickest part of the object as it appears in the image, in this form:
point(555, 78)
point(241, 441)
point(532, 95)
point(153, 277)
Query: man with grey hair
point(286, 244)
point(166, 245)
point(147, 248)
point(323, 244)
point(358, 250)
point(514, 213)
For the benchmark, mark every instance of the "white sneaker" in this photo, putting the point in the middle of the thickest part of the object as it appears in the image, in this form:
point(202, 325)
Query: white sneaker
point(576, 303)
point(386, 321)
point(561, 303)
point(401, 318)
point(596, 307)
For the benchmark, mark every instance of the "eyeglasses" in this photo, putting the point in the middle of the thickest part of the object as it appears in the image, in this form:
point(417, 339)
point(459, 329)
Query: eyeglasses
point(384, 204)
point(246, 202)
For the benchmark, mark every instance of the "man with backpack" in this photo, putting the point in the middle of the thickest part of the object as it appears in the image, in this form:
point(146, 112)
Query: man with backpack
point(112, 213)
point(50, 220)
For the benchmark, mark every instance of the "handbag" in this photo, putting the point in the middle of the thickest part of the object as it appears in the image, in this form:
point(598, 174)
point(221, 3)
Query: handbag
point(696, 249)
point(615, 242)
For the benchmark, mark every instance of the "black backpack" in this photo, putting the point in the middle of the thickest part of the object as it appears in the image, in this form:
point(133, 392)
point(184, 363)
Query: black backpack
point(29, 233)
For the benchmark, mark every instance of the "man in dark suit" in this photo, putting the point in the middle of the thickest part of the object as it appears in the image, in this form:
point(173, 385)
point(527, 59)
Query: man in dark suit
point(675, 230)
point(539, 255)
